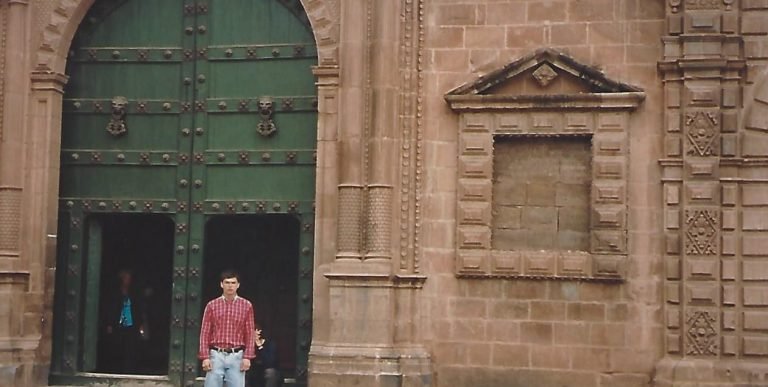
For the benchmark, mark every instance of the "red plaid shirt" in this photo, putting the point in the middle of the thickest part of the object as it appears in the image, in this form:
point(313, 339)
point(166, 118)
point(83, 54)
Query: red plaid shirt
point(227, 324)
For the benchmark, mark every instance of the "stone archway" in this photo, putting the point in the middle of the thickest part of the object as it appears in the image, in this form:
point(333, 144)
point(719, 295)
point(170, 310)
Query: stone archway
point(43, 141)
point(67, 14)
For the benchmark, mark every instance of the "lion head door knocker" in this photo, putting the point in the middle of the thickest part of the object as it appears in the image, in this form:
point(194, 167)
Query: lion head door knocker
point(266, 110)
point(117, 126)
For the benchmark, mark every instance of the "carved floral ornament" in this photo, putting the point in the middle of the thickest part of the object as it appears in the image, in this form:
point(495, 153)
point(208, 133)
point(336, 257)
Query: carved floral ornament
point(600, 111)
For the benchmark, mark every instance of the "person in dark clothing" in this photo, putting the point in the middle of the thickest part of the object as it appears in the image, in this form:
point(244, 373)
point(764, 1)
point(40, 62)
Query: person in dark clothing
point(267, 374)
point(124, 316)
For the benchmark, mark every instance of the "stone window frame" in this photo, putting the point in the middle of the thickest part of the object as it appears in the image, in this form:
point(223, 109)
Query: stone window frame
point(604, 117)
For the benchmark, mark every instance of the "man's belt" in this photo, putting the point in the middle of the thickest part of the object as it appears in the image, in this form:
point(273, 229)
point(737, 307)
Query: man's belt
point(228, 350)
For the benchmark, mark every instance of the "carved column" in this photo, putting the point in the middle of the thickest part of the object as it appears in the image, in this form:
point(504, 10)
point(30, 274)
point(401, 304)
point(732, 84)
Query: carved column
point(11, 142)
point(353, 61)
point(702, 70)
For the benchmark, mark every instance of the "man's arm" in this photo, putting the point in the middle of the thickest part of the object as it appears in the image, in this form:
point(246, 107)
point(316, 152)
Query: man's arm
point(205, 334)
point(250, 350)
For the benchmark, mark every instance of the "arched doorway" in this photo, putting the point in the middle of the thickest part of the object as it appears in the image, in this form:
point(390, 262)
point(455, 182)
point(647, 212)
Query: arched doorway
point(188, 146)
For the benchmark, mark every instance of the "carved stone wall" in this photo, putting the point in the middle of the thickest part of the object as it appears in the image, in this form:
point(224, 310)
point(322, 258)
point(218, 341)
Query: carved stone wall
point(714, 191)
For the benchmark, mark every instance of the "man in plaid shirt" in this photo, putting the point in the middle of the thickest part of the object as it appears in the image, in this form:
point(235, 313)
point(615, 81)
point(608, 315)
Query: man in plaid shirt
point(227, 336)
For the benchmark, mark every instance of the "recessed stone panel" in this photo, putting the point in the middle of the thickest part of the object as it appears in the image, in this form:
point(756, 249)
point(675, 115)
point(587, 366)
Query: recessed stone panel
point(755, 245)
point(672, 219)
point(472, 262)
point(579, 122)
point(755, 270)
point(730, 219)
point(476, 144)
point(506, 262)
point(609, 266)
point(704, 193)
point(608, 241)
point(756, 321)
point(672, 194)
point(702, 268)
point(673, 343)
point(730, 320)
point(754, 195)
point(755, 346)
point(474, 237)
point(475, 190)
point(573, 264)
point(755, 296)
point(539, 263)
point(480, 167)
point(608, 193)
point(475, 213)
point(730, 295)
point(730, 345)
point(509, 123)
point(609, 169)
point(673, 318)
point(672, 291)
point(730, 194)
point(546, 122)
point(702, 294)
point(477, 122)
point(730, 269)
point(611, 122)
point(755, 220)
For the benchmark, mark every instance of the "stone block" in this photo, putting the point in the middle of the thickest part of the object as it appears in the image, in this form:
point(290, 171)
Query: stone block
point(476, 122)
point(474, 237)
point(729, 270)
point(730, 295)
point(511, 355)
point(673, 343)
point(570, 34)
point(590, 358)
point(572, 194)
point(702, 268)
point(510, 239)
point(575, 333)
point(530, 36)
point(455, 14)
point(607, 334)
point(572, 241)
point(536, 332)
point(754, 25)
point(508, 123)
point(551, 11)
point(574, 263)
point(547, 310)
point(730, 320)
point(730, 345)
point(609, 169)
point(608, 217)
point(509, 192)
point(549, 357)
point(754, 145)
point(512, 310)
point(730, 219)
point(503, 331)
point(673, 318)
point(540, 193)
point(581, 311)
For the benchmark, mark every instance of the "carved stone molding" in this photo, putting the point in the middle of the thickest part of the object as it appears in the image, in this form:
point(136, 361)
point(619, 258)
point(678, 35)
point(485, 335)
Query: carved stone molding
point(56, 37)
point(599, 113)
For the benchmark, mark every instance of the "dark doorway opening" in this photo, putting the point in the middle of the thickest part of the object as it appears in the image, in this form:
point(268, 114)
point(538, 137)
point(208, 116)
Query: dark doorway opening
point(142, 246)
point(264, 250)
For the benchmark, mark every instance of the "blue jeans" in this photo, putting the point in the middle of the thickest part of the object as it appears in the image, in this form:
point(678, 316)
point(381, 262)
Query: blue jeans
point(225, 367)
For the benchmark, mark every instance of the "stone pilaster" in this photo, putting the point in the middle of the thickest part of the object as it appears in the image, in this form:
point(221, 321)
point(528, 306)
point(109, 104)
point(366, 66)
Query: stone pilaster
point(11, 141)
point(706, 300)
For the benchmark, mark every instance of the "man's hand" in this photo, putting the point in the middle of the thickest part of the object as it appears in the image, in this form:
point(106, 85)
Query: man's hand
point(207, 365)
point(246, 365)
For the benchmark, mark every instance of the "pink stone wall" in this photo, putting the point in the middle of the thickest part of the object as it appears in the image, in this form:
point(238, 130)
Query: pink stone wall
point(510, 332)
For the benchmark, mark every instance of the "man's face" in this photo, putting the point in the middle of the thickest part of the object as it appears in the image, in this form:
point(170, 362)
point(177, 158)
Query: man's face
point(230, 286)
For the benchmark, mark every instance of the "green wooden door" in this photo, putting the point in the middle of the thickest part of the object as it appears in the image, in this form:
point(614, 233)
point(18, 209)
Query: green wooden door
point(190, 111)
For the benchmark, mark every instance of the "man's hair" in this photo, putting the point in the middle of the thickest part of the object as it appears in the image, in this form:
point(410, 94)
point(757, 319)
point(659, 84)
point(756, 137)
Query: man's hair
point(227, 274)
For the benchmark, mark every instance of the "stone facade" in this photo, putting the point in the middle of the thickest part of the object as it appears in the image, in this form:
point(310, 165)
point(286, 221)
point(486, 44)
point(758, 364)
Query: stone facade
point(427, 110)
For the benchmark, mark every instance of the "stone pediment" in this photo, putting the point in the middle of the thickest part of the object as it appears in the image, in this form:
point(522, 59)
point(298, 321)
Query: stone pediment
point(545, 78)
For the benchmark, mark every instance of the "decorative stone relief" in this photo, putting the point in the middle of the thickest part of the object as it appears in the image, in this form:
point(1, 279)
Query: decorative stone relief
point(544, 75)
point(701, 232)
point(600, 113)
point(702, 130)
point(701, 333)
